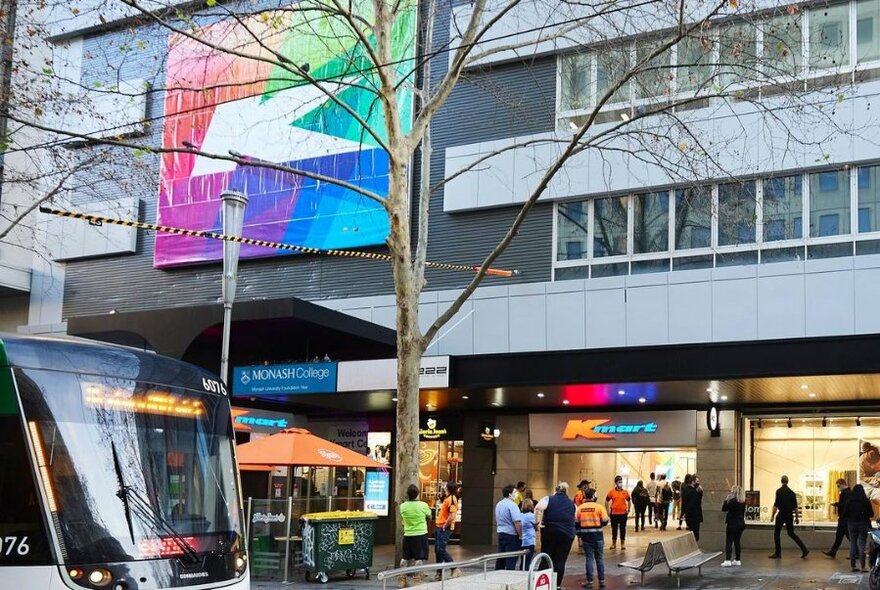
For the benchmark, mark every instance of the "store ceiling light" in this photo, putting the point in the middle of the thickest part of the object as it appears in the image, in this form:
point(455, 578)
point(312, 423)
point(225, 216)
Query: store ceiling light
point(811, 394)
point(540, 394)
point(465, 397)
point(642, 400)
point(394, 399)
point(724, 398)
point(708, 390)
point(804, 386)
point(621, 392)
point(565, 402)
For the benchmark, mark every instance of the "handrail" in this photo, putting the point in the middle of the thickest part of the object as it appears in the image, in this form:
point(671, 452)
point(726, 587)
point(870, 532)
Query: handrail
point(442, 567)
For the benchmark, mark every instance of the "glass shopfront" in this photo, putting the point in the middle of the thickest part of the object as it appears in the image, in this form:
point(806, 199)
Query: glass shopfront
point(814, 452)
point(441, 459)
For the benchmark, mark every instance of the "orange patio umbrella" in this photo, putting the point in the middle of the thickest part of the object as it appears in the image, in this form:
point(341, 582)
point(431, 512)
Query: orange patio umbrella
point(297, 446)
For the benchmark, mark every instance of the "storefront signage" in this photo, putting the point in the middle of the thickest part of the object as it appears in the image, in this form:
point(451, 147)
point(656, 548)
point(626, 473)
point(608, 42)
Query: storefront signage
point(382, 374)
point(432, 431)
point(487, 434)
point(377, 492)
point(267, 517)
point(613, 430)
point(278, 380)
point(351, 435)
point(251, 420)
point(712, 421)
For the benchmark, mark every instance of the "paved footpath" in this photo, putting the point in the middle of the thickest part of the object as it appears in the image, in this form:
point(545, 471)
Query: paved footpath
point(757, 573)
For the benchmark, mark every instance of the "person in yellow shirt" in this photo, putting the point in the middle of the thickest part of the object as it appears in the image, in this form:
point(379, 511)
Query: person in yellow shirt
point(618, 503)
point(443, 531)
point(591, 517)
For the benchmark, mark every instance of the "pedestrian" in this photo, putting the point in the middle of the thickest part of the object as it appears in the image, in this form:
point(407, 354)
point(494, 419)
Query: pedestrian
point(858, 512)
point(665, 495)
point(591, 517)
point(676, 500)
point(555, 516)
point(651, 486)
point(618, 503)
point(785, 511)
point(842, 526)
point(579, 496)
point(443, 529)
point(415, 515)
point(518, 492)
point(508, 525)
point(641, 503)
point(528, 530)
point(735, 507)
point(692, 504)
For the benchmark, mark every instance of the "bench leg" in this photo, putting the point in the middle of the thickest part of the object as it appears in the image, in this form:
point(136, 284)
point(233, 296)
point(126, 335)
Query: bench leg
point(699, 570)
point(642, 579)
point(678, 579)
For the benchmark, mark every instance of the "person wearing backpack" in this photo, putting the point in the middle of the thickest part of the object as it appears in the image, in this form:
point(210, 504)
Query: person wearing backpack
point(666, 496)
point(641, 500)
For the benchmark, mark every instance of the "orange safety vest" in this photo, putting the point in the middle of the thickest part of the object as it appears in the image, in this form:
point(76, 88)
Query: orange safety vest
point(579, 498)
point(591, 515)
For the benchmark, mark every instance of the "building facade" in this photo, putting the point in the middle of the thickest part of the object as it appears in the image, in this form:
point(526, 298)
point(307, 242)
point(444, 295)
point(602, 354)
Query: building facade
point(644, 285)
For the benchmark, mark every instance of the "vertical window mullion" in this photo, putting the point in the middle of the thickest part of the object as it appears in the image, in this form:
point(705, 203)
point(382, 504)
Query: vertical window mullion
point(713, 219)
point(805, 43)
point(633, 60)
point(853, 45)
point(671, 204)
point(590, 213)
point(630, 225)
point(806, 229)
point(759, 211)
point(673, 68)
point(853, 200)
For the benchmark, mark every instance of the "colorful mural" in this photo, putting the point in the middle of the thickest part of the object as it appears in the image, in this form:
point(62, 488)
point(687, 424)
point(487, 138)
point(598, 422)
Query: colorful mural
point(218, 101)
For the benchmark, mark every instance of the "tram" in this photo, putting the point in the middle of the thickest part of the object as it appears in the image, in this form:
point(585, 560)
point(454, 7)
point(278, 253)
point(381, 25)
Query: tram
point(117, 471)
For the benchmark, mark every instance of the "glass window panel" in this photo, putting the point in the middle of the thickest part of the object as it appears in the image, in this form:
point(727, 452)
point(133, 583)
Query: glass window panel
point(869, 198)
point(867, 30)
point(783, 208)
point(609, 226)
point(737, 216)
point(829, 36)
point(829, 203)
point(782, 45)
point(693, 218)
point(737, 57)
point(571, 231)
point(654, 81)
point(694, 63)
point(651, 222)
point(576, 77)
point(612, 64)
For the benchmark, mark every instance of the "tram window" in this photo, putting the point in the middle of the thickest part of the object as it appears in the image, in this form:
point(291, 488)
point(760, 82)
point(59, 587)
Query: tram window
point(22, 534)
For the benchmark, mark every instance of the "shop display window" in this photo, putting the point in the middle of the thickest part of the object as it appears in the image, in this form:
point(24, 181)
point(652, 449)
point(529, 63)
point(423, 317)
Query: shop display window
point(814, 452)
point(440, 462)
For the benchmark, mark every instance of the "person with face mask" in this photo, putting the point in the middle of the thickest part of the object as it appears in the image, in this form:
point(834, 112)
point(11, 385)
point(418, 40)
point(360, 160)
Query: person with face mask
point(842, 525)
point(618, 503)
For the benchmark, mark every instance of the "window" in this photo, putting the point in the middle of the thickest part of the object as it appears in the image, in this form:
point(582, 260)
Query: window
point(576, 79)
point(829, 36)
point(654, 80)
point(693, 218)
point(612, 64)
point(814, 457)
point(694, 63)
point(737, 217)
point(782, 45)
point(651, 222)
point(783, 208)
point(571, 228)
point(867, 30)
point(609, 226)
point(737, 57)
point(869, 198)
point(829, 203)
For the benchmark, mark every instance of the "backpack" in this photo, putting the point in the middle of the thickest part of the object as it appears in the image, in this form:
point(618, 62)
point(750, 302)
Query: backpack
point(666, 494)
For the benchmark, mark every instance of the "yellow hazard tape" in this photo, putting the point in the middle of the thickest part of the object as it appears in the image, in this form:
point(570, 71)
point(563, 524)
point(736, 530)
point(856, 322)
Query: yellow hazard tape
point(100, 220)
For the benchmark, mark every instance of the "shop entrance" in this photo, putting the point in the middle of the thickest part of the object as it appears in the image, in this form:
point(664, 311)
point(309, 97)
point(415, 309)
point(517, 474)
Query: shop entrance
point(600, 468)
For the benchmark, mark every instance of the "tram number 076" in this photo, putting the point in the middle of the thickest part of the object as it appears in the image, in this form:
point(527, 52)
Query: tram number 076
point(10, 545)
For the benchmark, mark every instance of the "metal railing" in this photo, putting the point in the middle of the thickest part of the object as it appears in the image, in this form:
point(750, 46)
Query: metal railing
point(443, 567)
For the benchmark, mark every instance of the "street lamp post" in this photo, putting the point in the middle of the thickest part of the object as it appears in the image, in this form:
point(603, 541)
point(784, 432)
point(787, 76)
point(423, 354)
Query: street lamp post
point(233, 221)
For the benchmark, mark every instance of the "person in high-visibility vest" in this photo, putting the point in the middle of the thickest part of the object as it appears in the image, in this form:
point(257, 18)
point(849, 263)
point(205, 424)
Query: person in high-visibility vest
point(591, 517)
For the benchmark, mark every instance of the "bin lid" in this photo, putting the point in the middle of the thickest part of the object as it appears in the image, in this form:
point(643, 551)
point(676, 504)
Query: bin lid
point(341, 515)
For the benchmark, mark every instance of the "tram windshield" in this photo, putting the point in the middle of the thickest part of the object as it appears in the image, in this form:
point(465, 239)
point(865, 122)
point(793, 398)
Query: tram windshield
point(132, 470)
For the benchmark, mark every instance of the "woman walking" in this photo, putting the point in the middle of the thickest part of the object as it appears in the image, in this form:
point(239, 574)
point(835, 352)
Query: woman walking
point(640, 499)
point(858, 513)
point(555, 517)
point(443, 531)
point(735, 507)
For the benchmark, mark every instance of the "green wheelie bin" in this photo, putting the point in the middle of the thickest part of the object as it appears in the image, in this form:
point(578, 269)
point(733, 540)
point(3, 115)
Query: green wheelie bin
point(340, 540)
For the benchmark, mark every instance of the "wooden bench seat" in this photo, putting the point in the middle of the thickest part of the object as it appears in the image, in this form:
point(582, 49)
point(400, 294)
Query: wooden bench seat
point(682, 553)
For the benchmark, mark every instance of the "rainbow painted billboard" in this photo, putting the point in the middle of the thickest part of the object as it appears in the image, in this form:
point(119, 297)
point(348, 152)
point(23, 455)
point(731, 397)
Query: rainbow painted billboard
point(218, 101)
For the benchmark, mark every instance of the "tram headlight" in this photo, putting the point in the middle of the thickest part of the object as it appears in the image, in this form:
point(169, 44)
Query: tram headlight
point(240, 563)
point(75, 573)
point(100, 577)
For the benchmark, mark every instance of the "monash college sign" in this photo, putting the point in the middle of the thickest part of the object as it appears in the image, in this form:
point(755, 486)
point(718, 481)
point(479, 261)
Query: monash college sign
point(279, 380)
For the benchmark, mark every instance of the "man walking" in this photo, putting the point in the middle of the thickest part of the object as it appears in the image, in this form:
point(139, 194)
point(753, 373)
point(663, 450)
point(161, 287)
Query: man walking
point(508, 525)
point(785, 513)
point(692, 504)
point(842, 523)
point(591, 517)
point(651, 486)
point(618, 504)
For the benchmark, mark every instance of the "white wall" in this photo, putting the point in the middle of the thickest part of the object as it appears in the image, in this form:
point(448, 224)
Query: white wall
point(829, 297)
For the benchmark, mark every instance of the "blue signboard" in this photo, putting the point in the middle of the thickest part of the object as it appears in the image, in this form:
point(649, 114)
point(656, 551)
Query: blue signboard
point(281, 380)
point(377, 489)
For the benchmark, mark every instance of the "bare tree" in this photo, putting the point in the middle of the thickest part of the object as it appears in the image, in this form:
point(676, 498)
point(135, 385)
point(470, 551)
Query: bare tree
point(642, 102)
